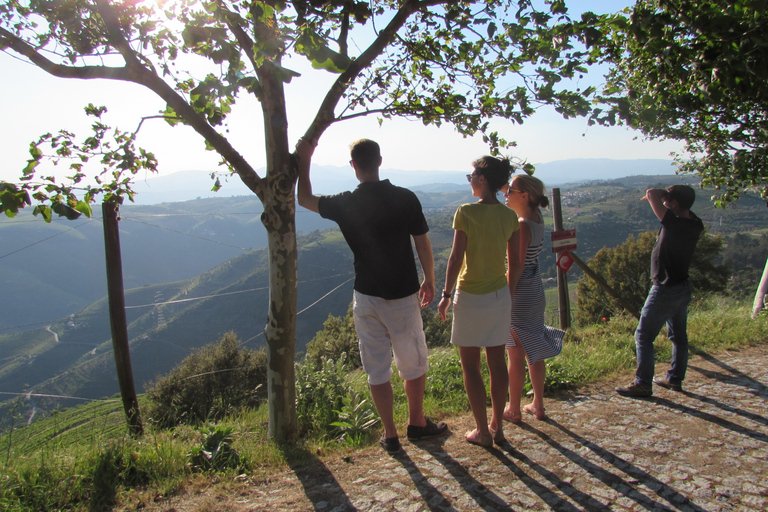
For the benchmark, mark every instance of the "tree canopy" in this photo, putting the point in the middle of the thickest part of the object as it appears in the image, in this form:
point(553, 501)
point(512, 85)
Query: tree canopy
point(697, 71)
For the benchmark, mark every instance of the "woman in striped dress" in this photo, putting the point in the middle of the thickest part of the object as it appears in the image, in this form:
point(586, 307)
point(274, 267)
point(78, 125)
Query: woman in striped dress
point(529, 338)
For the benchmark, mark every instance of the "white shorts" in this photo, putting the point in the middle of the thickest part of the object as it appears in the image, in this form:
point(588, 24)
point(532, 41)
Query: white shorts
point(481, 320)
point(387, 326)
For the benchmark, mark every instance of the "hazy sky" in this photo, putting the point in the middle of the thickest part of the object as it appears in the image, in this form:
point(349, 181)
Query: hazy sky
point(37, 103)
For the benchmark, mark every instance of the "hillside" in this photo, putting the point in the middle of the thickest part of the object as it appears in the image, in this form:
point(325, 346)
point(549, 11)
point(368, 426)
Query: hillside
point(167, 322)
point(72, 356)
point(160, 243)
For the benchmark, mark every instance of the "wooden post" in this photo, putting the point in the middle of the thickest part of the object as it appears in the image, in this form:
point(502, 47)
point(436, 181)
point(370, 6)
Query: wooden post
point(117, 320)
point(562, 278)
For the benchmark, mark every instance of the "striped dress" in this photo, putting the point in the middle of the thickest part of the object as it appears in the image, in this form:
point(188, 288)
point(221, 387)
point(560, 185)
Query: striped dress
point(539, 341)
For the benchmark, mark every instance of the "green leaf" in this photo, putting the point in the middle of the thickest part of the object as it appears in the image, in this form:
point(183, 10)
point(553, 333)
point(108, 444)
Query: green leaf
point(44, 211)
point(84, 208)
point(64, 210)
point(314, 47)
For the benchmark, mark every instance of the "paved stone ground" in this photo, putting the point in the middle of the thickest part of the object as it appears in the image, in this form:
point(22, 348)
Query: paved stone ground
point(705, 449)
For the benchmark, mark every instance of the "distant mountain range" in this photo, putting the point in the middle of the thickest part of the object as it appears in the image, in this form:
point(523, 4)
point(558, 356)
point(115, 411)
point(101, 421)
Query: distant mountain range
point(186, 185)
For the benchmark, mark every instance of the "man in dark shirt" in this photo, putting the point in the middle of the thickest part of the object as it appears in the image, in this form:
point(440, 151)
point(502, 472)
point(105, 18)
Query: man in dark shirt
point(668, 299)
point(378, 221)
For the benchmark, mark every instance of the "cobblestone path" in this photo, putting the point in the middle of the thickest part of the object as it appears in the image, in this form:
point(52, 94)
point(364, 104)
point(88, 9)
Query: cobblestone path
point(705, 449)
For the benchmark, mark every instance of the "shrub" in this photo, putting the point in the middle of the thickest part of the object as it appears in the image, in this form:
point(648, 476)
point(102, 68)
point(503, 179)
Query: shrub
point(357, 419)
point(215, 452)
point(209, 384)
point(319, 394)
point(337, 337)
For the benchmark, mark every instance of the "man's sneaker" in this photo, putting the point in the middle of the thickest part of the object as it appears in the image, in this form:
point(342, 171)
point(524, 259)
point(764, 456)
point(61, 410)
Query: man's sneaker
point(666, 383)
point(635, 390)
point(391, 444)
point(427, 431)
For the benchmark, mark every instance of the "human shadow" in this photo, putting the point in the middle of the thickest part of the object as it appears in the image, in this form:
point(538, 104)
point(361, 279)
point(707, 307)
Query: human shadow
point(734, 375)
point(672, 498)
point(729, 408)
point(433, 498)
point(554, 501)
point(320, 485)
point(484, 497)
point(717, 420)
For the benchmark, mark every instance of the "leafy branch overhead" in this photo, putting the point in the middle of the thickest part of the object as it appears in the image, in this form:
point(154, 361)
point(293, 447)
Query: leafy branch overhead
point(436, 60)
point(113, 151)
point(697, 72)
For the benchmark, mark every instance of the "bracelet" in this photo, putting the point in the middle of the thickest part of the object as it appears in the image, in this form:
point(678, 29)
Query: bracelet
point(446, 295)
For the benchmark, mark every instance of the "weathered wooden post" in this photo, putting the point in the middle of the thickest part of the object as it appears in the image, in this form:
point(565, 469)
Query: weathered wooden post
point(562, 279)
point(117, 320)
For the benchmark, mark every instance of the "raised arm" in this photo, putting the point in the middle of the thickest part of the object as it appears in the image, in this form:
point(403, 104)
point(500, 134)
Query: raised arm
point(304, 150)
point(656, 198)
point(424, 252)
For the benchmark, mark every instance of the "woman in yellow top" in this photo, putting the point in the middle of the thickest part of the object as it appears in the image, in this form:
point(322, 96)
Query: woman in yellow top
point(486, 234)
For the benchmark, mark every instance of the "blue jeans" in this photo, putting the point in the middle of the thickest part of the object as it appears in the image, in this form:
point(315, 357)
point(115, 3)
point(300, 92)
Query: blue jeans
point(665, 304)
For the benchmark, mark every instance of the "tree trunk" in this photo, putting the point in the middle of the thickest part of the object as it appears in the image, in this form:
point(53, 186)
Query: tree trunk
point(279, 219)
point(280, 331)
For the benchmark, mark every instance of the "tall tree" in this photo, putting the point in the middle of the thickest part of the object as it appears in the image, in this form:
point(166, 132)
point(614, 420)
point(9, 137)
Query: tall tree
point(440, 61)
point(697, 71)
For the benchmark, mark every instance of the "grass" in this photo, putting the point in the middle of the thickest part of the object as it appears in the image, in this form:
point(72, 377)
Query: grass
point(83, 459)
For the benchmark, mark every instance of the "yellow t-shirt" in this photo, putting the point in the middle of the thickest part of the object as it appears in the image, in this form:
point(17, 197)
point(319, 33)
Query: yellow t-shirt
point(488, 228)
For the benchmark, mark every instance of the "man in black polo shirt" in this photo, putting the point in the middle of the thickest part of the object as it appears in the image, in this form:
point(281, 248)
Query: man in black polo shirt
point(668, 299)
point(378, 221)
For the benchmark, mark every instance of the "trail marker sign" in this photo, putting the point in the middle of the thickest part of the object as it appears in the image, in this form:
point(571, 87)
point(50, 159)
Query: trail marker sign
point(564, 261)
point(564, 240)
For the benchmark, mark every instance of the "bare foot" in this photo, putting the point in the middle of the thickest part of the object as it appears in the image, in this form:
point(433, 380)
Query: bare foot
point(538, 413)
point(474, 437)
point(498, 436)
point(514, 418)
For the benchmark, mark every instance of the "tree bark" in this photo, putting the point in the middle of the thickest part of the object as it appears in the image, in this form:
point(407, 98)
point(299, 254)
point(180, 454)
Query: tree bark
point(279, 219)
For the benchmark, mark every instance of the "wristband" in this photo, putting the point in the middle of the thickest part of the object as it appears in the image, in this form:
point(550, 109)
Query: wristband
point(446, 295)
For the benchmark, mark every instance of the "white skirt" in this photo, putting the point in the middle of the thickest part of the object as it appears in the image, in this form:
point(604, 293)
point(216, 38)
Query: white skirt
point(481, 320)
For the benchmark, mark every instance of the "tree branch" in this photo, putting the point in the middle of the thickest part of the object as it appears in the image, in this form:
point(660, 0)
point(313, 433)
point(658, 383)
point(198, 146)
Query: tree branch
point(325, 114)
point(136, 73)
point(21, 47)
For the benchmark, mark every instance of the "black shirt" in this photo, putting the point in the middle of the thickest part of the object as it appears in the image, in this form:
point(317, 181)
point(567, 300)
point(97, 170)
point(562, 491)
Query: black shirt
point(377, 220)
point(674, 248)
